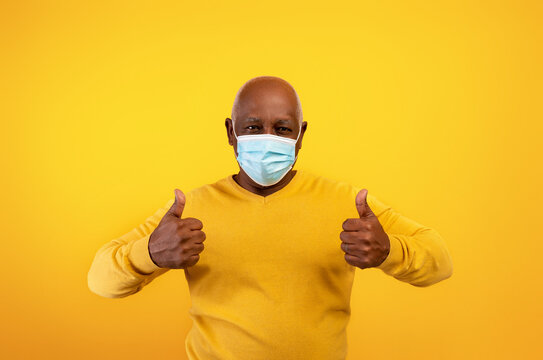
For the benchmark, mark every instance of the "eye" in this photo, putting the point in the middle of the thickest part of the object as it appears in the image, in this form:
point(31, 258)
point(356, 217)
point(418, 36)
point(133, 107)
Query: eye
point(283, 129)
point(252, 127)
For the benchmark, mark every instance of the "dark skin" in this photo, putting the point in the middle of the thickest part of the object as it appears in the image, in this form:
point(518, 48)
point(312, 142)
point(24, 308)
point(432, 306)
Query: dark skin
point(265, 105)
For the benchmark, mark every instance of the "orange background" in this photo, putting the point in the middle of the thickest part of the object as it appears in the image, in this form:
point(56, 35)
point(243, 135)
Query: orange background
point(434, 107)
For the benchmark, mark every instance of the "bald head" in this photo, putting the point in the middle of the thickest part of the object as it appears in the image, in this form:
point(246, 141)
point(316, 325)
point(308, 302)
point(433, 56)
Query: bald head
point(267, 95)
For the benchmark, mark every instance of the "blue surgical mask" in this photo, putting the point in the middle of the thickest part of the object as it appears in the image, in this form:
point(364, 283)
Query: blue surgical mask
point(266, 158)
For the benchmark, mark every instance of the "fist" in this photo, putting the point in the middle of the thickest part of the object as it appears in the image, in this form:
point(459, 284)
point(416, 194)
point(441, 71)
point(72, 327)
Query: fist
point(363, 239)
point(176, 243)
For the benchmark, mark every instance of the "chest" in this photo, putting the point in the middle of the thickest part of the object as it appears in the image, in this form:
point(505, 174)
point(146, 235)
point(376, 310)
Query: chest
point(269, 242)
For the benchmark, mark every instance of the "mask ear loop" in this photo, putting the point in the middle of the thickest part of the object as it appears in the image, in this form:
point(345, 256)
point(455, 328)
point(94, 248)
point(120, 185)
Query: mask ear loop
point(234, 129)
point(296, 157)
point(299, 132)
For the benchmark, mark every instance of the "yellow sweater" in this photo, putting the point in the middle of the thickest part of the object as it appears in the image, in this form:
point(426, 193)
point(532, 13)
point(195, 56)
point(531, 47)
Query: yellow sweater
point(272, 281)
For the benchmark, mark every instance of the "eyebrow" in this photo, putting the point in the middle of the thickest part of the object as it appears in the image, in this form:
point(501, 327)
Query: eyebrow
point(254, 119)
point(283, 122)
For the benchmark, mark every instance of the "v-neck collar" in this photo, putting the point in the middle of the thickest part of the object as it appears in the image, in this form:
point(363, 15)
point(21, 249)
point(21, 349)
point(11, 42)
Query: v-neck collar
point(265, 199)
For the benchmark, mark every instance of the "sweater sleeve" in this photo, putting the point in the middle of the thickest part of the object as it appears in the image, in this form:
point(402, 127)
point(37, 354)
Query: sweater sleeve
point(418, 254)
point(123, 266)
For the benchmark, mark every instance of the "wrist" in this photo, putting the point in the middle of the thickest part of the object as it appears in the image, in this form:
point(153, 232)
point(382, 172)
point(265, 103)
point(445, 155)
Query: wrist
point(140, 256)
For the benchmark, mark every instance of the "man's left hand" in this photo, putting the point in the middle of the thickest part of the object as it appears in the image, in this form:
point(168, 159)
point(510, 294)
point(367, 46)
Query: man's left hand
point(364, 240)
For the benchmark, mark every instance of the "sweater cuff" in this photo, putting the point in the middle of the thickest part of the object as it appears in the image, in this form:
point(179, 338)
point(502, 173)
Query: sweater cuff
point(395, 254)
point(140, 258)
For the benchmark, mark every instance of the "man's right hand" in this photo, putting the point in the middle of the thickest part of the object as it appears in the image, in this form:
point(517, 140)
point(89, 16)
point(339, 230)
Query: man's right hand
point(176, 243)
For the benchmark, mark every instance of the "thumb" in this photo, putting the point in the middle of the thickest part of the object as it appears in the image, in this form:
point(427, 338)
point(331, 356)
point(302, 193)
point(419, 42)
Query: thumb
point(362, 206)
point(178, 204)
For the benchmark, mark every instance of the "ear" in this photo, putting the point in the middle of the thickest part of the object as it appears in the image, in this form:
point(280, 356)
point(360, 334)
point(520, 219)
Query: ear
point(229, 130)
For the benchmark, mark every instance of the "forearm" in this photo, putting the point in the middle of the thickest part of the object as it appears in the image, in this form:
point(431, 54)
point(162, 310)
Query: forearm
point(421, 259)
point(418, 254)
point(120, 269)
point(124, 266)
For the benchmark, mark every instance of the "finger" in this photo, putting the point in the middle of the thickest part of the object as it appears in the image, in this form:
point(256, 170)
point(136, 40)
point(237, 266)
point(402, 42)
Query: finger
point(346, 247)
point(197, 236)
point(354, 224)
point(193, 260)
point(348, 237)
point(198, 248)
point(193, 249)
point(178, 204)
point(351, 259)
point(193, 223)
point(362, 206)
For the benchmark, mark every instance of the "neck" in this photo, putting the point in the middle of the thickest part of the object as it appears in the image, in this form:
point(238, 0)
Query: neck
point(247, 183)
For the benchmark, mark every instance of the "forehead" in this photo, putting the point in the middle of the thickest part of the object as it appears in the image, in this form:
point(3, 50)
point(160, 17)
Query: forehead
point(267, 102)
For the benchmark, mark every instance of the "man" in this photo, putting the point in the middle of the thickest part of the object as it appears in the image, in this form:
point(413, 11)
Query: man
point(274, 278)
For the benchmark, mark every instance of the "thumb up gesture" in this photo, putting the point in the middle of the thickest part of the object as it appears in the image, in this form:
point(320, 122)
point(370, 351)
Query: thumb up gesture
point(176, 243)
point(363, 239)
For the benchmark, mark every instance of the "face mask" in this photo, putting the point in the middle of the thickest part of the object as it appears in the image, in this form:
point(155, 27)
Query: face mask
point(266, 158)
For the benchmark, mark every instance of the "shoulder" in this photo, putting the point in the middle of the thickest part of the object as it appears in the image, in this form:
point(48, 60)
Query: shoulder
point(198, 193)
point(208, 190)
point(319, 183)
point(341, 190)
